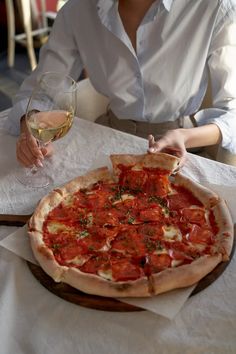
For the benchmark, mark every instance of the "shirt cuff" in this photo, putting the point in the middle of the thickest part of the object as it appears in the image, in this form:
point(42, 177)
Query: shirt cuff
point(226, 121)
point(12, 124)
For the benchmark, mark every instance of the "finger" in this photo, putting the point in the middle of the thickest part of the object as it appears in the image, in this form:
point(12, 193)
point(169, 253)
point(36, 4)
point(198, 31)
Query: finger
point(21, 157)
point(25, 160)
point(27, 151)
point(178, 152)
point(158, 146)
point(183, 160)
point(151, 140)
point(47, 150)
point(33, 147)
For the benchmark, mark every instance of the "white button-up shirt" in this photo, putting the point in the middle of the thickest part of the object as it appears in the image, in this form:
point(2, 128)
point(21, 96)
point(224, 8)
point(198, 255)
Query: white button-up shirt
point(179, 43)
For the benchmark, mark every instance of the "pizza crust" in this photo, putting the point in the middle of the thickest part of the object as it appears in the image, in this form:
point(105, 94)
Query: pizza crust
point(45, 257)
point(159, 160)
point(47, 203)
point(225, 234)
point(185, 275)
point(96, 285)
point(85, 181)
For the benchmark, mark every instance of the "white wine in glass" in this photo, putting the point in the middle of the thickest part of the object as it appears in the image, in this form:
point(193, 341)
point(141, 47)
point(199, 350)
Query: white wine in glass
point(49, 126)
point(49, 116)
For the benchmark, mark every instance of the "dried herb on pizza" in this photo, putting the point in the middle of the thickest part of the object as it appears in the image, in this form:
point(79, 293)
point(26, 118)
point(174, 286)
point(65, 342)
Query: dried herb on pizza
point(131, 232)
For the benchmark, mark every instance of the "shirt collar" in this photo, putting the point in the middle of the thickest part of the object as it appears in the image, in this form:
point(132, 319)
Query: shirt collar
point(167, 4)
point(106, 4)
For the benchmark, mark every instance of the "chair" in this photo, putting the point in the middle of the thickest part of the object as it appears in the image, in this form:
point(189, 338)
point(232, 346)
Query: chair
point(27, 9)
point(90, 103)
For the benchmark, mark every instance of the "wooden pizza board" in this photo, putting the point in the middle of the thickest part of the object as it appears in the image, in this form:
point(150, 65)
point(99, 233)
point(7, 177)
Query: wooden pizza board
point(75, 296)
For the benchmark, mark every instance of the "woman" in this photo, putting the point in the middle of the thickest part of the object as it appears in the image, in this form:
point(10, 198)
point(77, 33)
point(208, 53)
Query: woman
point(153, 60)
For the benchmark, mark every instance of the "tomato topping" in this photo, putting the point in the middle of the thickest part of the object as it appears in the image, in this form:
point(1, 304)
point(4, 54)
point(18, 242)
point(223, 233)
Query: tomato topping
point(194, 215)
point(201, 235)
point(187, 249)
point(97, 200)
point(134, 180)
point(107, 217)
point(104, 232)
point(180, 256)
point(182, 199)
point(159, 262)
point(157, 185)
point(123, 270)
point(129, 242)
point(92, 243)
point(152, 231)
point(61, 238)
point(79, 200)
point(153, 214)
point(59, 213)
point(94, 264)
point(68, 252)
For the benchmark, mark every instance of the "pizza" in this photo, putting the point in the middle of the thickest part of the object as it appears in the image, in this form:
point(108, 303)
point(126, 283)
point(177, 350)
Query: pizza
point(136, 231)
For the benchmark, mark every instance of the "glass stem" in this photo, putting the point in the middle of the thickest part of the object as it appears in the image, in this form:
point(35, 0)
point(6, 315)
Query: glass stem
point(34, 169)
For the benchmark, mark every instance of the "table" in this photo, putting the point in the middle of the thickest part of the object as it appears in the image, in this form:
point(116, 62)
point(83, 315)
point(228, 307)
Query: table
point(34, 321)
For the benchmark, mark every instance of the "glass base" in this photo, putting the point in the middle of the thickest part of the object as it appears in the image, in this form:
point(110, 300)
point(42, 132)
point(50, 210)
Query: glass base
point(32, 177)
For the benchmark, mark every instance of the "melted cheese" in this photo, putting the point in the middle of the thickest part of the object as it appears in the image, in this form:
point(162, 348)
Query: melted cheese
point(78, 260)
point(90, 192)
point(165, 212)
point(172, 191)
point(105, 248)
point(172, 233)
point(124, 197)
point(198, 246)
point(137, 168)
point(176, 262)
point(106, 274)
point(55, 227)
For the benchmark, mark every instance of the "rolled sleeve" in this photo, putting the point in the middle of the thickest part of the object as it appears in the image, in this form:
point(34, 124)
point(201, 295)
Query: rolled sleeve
point(12, 124)
point(226, 121)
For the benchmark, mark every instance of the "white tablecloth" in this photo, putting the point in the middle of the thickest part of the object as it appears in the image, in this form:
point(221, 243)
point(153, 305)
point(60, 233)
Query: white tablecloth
point(34, 321)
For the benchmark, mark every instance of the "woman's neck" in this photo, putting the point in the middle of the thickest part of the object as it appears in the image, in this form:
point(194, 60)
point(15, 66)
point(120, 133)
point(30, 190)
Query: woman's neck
point(131, 13)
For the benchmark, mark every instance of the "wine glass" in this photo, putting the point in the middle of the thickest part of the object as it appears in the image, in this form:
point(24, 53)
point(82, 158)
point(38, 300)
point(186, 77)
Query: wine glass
point(49, 116)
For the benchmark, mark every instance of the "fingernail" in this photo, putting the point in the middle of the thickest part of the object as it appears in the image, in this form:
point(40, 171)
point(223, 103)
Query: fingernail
point(152, 149)
point(39, 163)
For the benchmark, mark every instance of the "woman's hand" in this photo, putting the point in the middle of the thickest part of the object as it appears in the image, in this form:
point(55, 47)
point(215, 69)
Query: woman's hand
point(28, 152)
point(173, 142)
point(176, 141)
